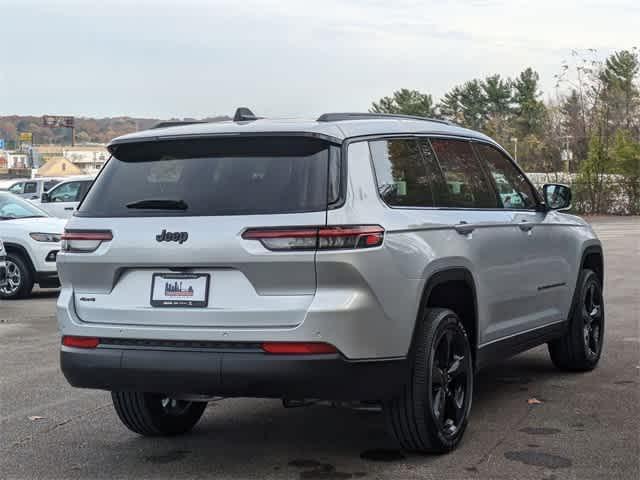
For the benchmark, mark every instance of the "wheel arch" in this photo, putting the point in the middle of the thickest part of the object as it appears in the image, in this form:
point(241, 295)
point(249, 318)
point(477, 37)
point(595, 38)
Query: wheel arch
point(437, 292)
point(593, 258)
point(17, 248)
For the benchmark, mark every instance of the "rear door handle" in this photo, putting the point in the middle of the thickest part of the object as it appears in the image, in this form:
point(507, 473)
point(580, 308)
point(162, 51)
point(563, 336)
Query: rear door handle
point(525, 226)
point(68, 208)
point(463, 228)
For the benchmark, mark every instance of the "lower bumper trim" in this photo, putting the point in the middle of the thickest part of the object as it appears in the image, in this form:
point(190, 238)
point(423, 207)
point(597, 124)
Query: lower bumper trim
point(47, 279)
point(233, 374)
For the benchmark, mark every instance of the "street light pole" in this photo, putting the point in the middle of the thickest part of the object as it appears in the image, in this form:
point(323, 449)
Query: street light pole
point(515, 148)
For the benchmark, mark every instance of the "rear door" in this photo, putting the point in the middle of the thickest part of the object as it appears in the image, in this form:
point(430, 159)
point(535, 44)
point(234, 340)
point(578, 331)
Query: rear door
point(441, 196)
point(542, 276)
point(177, 210)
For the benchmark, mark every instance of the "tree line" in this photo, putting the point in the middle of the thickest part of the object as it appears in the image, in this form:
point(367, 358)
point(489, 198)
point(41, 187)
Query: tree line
point(589, 130)
point(88, 130)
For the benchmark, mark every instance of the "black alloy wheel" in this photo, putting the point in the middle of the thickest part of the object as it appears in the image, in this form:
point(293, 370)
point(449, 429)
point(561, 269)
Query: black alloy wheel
point(449, 380)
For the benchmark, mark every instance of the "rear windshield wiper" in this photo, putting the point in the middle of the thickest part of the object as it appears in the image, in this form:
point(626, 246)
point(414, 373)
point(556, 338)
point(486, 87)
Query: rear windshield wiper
point(159, 205)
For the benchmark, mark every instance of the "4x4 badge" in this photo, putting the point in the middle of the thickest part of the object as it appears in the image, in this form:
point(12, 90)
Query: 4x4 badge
point(179, 237)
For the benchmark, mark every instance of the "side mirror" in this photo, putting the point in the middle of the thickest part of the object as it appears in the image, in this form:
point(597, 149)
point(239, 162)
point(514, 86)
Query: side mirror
point(45, 198)
point(557, 196)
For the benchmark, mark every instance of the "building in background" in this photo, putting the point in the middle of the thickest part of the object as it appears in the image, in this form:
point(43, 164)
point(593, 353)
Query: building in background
point(13, 164)
point(58, 167)
point(42, 153)
point(89, 158)
point(17, 160)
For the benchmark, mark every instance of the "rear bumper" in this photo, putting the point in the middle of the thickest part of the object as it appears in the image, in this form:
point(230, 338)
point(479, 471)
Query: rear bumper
point(232, 374)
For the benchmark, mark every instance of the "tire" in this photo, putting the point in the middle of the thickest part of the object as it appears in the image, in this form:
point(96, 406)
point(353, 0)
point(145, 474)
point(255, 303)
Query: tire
point(413, 417)
point(19, 278)
point(580, 348)
point(151, 414)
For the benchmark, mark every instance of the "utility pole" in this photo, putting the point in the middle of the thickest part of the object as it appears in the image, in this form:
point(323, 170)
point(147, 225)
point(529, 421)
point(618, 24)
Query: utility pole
point(566, 152)
point(515, 148)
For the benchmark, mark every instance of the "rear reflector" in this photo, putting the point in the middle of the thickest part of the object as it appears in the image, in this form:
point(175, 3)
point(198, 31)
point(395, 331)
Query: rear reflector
point(298, 348)
point(80, 342)
point(84, 241)
point(318, 238)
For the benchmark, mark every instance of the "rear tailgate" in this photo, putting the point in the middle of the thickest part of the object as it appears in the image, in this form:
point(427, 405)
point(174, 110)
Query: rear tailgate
point(227, 189)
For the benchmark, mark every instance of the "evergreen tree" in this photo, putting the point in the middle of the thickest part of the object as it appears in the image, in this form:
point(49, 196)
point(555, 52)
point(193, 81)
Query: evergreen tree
point(406, 102)
point(529, 110)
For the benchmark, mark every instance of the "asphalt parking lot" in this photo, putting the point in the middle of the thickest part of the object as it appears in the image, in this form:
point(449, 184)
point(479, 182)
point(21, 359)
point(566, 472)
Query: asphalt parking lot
point(585, 426)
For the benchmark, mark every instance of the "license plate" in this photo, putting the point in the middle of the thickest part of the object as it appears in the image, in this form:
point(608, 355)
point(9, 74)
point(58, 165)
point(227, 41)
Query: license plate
point(179, 290)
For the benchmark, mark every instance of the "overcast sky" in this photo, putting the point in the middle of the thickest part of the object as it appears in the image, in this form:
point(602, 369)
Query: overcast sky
point(289, 57)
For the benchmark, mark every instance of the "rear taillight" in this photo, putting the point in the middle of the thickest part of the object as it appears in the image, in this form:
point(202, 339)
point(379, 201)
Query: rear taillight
point(80, 342)
point(298, 348)
point(84, 241)
point(320, 238)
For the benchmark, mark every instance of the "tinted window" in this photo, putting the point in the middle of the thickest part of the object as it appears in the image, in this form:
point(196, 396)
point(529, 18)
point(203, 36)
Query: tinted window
point(49, 184)
point(402, 176)
point(30, 187)
point(467, 184)
point(231, 176)
point(67, 192)
point(514, 189)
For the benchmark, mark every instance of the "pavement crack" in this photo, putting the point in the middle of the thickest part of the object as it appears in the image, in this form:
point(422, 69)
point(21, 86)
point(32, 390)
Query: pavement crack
point(23, 441)
point(487, 456)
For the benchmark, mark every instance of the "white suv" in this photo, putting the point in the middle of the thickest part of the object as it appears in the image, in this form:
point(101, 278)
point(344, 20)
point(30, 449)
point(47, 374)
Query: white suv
point(34, 188)
point(354, 257)
point(32, 241)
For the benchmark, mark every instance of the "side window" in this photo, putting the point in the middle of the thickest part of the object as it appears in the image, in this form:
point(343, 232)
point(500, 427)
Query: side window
point(514, 189)
point(68, 192)
point(17, 188)
point(30, 187)
point(49, 184)
point(467, 183)
point(401, 173)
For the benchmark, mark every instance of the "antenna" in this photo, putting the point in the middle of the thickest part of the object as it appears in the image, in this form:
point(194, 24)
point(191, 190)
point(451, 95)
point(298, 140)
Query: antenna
point(243, 114)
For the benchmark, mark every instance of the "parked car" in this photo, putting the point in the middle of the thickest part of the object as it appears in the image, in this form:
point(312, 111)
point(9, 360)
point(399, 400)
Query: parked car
point(356, 257)
point(3, 266)
point(32, 241)
point(63, 199)
point(34, 188)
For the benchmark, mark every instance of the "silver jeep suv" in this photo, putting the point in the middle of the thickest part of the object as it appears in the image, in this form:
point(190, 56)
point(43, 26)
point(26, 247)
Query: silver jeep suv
point(358, 257)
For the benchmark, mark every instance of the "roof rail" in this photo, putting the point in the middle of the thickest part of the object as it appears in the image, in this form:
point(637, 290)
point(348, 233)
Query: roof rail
point(336, 117)
point(175, 123)
point(243, 114)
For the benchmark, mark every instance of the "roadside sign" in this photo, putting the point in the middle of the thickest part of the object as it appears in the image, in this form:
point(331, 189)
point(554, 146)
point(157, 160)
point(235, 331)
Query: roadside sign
point(58, 121)
point(1, 143)
point(25, 137)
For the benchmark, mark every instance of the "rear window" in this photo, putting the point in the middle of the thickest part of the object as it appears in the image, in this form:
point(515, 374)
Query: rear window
point(207, 177)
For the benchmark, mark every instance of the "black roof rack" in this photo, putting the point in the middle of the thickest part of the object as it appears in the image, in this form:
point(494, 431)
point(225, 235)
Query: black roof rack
point(336, 117)
point(175, 123)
